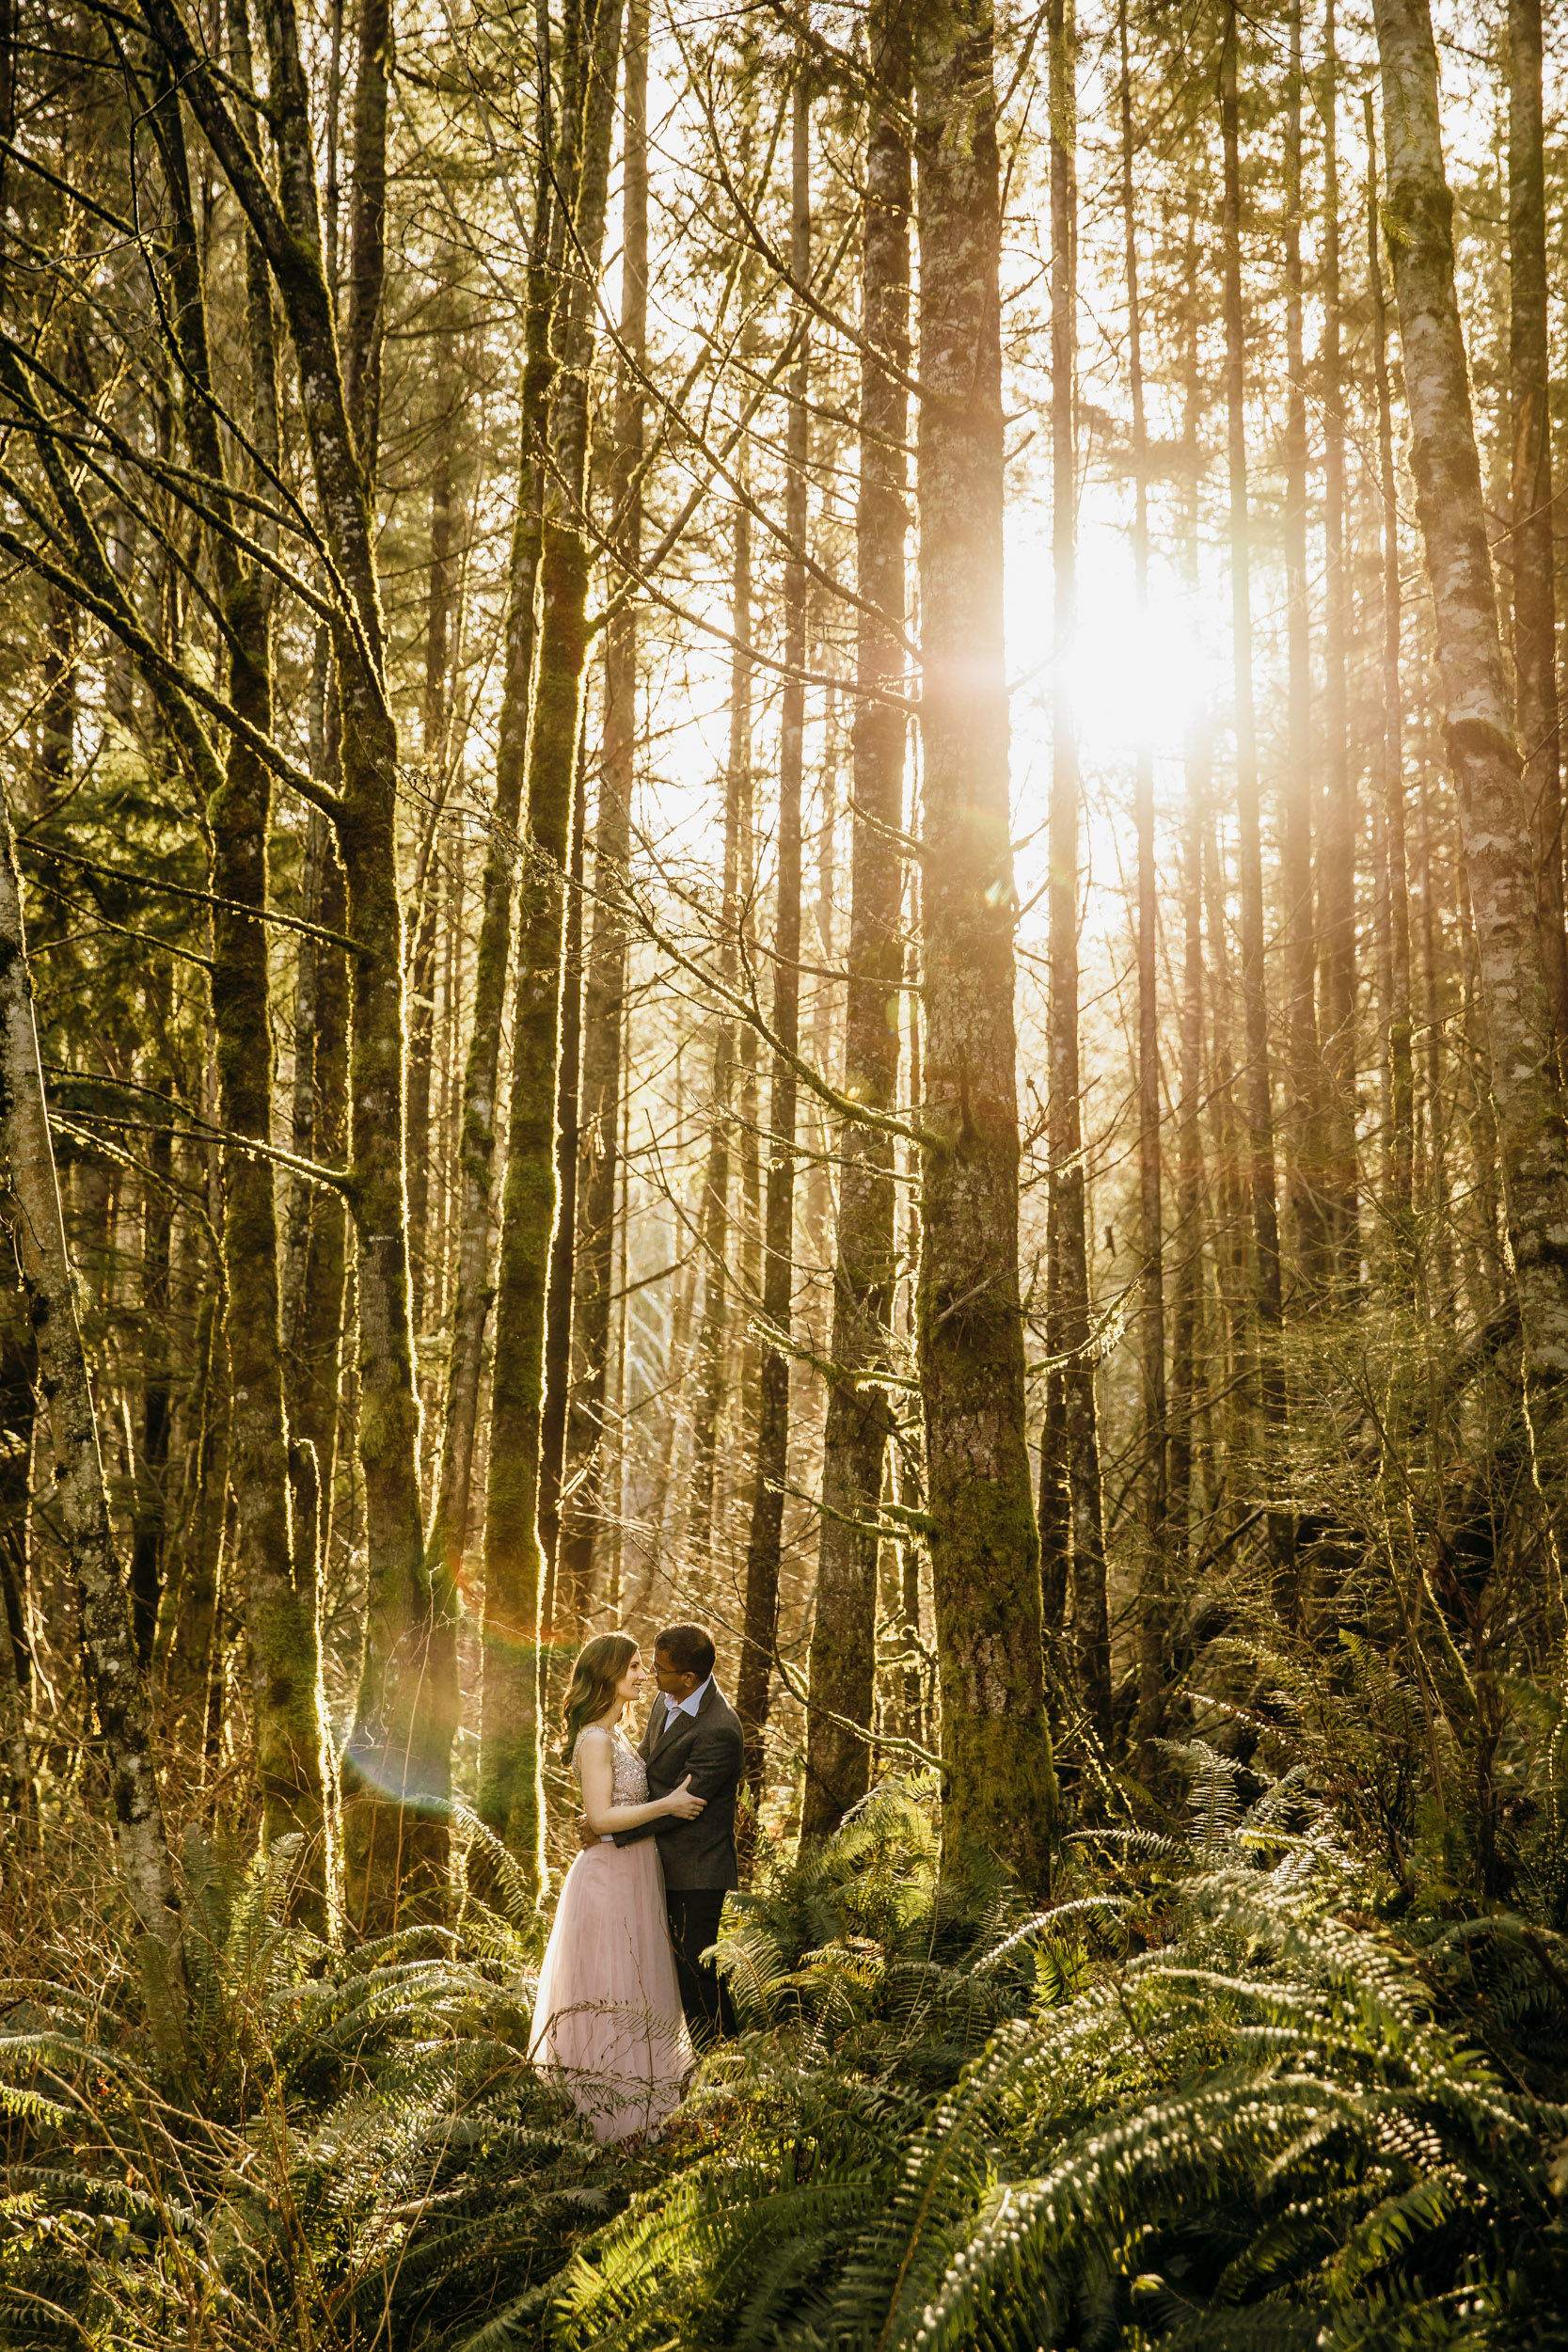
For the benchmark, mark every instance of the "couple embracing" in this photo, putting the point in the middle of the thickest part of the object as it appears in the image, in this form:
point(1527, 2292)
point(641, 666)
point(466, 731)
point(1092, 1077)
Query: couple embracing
point(625, 1993)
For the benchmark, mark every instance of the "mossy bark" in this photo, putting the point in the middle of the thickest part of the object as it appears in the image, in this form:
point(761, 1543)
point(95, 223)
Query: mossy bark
point(604, 1012)
point(1186, 1321)
point(859, 1415)
point(364, 334)
point(397, 1769)
point(1531, 535)
point(17, 1407)
point(1337, 945)
point(193, 1604)
point(1088, 1608)
point(1400, 1190)
point(510, 1794)
point(115, 1681)
point(150, 1519)
point(279, 1601)
point(313, 1318)
point(1306, 1125)
point(1155, 1595)
point(1000, 1783)
point(1267, 1288)
point(1500, 861)
point(765, 1543)
point(713, 1216)
point(473, 1294)
point(279, 1587)
point(559, 1278)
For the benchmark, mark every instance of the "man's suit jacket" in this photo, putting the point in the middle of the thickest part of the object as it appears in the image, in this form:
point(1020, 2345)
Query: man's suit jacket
point(699, 1853)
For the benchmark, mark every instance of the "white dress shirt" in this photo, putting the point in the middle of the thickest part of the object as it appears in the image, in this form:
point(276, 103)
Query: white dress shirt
point(681, 1707)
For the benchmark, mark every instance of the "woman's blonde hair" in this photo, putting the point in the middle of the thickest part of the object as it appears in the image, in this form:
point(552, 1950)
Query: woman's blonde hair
point(596, 1670)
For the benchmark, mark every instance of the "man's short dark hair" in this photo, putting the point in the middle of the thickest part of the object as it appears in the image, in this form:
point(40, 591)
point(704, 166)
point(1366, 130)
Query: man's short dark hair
point(689, 1649)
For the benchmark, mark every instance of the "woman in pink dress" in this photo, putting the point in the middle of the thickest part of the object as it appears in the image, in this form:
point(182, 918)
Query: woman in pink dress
point(606, 2020)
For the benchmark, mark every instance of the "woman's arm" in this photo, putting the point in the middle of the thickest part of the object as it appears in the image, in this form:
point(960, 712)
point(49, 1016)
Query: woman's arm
point(596, 1774)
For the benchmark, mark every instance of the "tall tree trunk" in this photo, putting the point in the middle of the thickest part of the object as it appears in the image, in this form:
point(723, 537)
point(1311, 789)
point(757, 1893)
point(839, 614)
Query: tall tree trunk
point(397, 1769)
point(17, 1410)
point(1155, 1595)
point(426, 895)
point(1402, 1073)
point(192, 1638)
point(1260, 1106)
point(150, 1524)
point(859, 1415)
point(742, 1346)
point(115, 1680)
point(713, 1216)
point(1532, 513)
point(316, 1256)
point(819, 1177)
point(1499, 846)
point(280, 1621)
point(1336, 847)
point(1306, 1163)
point(1189, 1177)
point(472, 1292)
point(604, 1013)
point(366, 264)
point(1088, 1606)
point(765, 1546)
point(510, 1790)
point(1000, 1781)
point(314, 1363)
point(559, 1282)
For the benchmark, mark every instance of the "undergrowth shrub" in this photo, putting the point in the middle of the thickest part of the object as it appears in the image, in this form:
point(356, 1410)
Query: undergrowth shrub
point(1211, 2097)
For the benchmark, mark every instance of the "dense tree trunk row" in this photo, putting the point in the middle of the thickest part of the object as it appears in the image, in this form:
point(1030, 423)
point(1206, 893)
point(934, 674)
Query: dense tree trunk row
point(474, 1252)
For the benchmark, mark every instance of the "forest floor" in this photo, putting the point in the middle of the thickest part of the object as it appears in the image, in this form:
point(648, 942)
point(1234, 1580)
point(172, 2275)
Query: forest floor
point(1231, 2088)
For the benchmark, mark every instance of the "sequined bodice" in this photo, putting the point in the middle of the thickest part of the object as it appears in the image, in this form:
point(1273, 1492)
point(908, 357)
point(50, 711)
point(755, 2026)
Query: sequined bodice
point(630, 1774)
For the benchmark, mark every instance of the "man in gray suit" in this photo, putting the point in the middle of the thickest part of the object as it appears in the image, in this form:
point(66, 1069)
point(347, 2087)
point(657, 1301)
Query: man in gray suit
point(693, 1731)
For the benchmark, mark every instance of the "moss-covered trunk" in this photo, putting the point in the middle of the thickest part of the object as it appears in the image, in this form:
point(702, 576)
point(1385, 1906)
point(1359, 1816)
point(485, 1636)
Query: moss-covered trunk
point(765, 1542)
point(859, 1417)
point(1400, 1190)
point(1336, 973)
point(1000, 1780)
point(440, 758)
point(115, 1680)
point(1155, 1594)
point(604, 1012)
point(18, 1409)
point(1499, 850)
point(313, 1317)
point(1531, 537)
point(279, 1588)
point(280, 1623)
point(560, 1277)
point(1267, 1289)
point(713, 1214)
point(472, 1290)
point(193, 1604)
point(150, 1518)
point(397, 1767)
point(1079, 1425)
point(509, 1800)
point(1304, 1120)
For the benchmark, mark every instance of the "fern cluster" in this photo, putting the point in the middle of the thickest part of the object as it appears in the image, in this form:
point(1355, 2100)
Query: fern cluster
point(1210, 2098)
point(1263, 2130)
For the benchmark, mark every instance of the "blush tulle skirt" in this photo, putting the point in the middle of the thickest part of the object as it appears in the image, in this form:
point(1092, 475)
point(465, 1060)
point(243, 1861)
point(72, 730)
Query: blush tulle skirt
point(606, 2019)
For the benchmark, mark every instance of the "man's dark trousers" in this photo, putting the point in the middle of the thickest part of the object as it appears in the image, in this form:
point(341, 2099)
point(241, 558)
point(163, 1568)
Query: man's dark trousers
point(694, 1916)
point(699, 1857)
